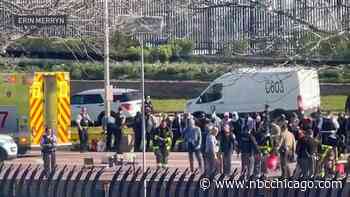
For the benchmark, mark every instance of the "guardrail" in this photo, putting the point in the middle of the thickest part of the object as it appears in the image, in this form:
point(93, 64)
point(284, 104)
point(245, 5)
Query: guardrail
point(74, 181)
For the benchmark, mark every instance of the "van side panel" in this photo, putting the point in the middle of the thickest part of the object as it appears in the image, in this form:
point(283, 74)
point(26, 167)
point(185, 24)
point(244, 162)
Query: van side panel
point(244, 94)
point(281, 89)
point(253, 91)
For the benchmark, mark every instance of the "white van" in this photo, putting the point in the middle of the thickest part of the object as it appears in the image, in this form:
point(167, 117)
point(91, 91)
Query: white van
point(93, 100)
point(251, 89)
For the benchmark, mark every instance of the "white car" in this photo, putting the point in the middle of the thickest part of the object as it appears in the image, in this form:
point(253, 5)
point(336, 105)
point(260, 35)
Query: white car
point(8, 148)
point(93, 100)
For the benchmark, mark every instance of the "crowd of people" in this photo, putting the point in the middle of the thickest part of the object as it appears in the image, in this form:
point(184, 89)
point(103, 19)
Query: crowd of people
point(314, 142)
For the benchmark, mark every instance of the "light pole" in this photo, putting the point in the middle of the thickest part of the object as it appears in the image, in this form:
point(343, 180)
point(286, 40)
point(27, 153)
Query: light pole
point(143, 113)
point(106, 66)
point(141, 25)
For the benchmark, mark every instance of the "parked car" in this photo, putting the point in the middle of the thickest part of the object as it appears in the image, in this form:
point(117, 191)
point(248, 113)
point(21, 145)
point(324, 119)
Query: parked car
point(8, 148)
point(251, 89)
point(129, 99)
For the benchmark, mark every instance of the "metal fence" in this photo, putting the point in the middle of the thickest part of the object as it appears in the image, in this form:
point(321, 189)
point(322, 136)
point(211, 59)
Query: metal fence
point(29, 181)
point(216, 27)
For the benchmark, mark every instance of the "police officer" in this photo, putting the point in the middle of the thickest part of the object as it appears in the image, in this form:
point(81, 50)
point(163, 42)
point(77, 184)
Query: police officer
point(110, 131)
point(162, 140)
point(137, 126)
point(120, 121)
point(48, 149)
point(83, 120)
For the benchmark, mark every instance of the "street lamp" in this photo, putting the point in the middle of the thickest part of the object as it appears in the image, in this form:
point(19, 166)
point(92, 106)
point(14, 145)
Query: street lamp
point(108, 89)
point(141, 26)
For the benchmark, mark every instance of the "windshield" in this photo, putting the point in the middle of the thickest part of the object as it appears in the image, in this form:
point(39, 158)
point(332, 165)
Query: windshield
point(213, 93)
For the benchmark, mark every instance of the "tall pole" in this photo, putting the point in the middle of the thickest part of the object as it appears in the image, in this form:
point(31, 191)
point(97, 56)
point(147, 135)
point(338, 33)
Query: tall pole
point(106, 64)
point(143, 113)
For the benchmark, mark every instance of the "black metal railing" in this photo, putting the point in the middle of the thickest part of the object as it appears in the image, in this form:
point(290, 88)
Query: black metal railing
point(73, 181)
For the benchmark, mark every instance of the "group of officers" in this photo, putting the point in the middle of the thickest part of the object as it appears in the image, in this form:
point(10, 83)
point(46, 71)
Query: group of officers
point(314, 141)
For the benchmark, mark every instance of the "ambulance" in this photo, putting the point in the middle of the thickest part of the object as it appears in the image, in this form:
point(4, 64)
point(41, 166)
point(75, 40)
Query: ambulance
point(246, 90)
point(29, 102)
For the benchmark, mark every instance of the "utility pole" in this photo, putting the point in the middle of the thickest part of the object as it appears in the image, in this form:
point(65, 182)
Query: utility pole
point(106, 65)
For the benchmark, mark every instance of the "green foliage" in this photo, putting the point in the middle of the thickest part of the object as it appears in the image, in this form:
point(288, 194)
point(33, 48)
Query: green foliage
point(165, 53)
point(235, 47)
point(122, 48)
point(181, 48)
point(120, 45)
point(52, 47)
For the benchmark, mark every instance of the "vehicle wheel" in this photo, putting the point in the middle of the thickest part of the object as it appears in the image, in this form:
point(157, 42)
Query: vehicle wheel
point(101, 115)
point(3, 155)
point(22, 151)
point(277, 113)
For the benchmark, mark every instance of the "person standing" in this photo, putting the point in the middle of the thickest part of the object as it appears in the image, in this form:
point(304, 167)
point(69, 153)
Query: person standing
point(137, 127)
point(305, 150)
point(286, 149)
point(150, 124)
point(83, 120)
point(149, 104)
point(247, 145)
point(176, 129)
point(162, 144)
point(205, 126)
point(110, 131)
point(48, 150)
point(227, 144)
point(212, 150)
point(263, 141)
point(347, 105)
point(226, 121)
point(193, 139)
point(120, 122)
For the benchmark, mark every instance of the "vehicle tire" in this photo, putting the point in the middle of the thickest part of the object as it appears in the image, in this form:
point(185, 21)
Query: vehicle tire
point(3, 155)
point(277, 113)
point(22, 151)
point(100, 118)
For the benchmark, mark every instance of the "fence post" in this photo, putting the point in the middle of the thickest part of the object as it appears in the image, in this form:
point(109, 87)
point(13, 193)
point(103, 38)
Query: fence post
point(69, 176)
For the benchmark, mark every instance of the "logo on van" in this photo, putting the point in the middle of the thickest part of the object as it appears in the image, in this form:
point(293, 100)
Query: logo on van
point(274, 87)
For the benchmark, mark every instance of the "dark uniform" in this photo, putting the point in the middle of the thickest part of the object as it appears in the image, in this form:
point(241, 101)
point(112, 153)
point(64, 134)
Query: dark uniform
point(120, 122)
point(176, 129)
point(162, 140)
point(111, 127)
point(227, 144)
point(137, 126)
point(83, 122)
point(48, 150)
